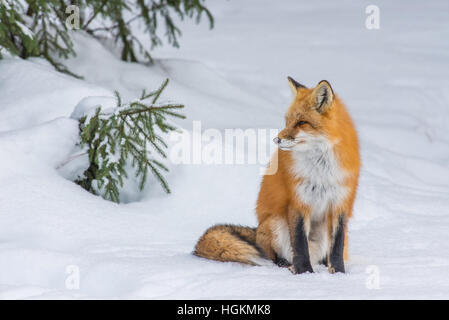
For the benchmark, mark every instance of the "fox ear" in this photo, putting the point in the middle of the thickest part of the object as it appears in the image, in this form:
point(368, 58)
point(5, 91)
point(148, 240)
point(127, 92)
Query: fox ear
point(294, 85)
point(324, 96)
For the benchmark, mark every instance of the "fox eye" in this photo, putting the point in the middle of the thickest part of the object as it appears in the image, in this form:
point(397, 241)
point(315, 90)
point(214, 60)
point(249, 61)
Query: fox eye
point(300, 123)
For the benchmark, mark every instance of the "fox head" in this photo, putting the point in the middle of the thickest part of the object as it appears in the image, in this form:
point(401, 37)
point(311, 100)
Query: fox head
point(307, 118)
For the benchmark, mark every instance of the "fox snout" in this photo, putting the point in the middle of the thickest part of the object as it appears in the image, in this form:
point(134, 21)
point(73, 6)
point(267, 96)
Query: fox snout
point(280, 141)
point(286, 134)
point(285, 143)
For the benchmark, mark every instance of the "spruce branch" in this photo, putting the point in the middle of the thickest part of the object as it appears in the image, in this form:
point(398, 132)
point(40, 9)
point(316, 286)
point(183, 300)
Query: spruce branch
point(96, 12)
point(126, 136)
point(37, 28)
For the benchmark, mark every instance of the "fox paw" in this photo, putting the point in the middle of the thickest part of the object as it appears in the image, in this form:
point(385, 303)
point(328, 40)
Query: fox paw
point(292, 269)
point(333, 269)
point(283, 263)
point(303, 270)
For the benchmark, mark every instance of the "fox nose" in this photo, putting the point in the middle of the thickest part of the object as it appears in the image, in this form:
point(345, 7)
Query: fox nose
point(277, 140)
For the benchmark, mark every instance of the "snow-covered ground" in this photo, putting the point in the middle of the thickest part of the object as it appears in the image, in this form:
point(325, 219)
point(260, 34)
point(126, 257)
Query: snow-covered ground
point(395, 82)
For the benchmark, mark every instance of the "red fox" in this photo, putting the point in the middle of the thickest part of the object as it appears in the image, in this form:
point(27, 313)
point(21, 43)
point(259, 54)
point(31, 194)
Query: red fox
point(304, 207)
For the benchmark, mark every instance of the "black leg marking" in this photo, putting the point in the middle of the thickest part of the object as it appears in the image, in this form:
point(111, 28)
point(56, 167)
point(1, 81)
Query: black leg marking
point(301, 259)
point(281, 262)
point(323, 261)
point(336, 255)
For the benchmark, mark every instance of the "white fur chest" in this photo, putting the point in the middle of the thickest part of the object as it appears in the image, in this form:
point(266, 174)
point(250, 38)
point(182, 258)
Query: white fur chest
point(322, 179)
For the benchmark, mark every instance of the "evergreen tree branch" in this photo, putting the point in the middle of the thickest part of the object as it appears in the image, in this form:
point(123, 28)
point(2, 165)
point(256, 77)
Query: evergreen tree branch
point(96, 12)
point(126, 136)
point(50, 37)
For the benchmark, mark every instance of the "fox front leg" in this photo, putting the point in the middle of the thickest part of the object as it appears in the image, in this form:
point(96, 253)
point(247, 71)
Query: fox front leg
point(301, 259)
point(336, 256)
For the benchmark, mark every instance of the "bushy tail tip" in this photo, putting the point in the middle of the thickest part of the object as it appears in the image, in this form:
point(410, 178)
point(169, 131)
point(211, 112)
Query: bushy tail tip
point(230, 243)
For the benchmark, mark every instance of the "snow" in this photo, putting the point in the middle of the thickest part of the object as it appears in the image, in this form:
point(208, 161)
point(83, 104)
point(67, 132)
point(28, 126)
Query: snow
point(88, 105)
point(394, 81)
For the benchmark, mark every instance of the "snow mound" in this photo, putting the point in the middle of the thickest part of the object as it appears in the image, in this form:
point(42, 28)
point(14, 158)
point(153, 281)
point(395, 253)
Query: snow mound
point(88, 105)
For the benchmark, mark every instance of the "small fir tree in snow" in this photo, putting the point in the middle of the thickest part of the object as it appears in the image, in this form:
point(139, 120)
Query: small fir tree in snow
point(38, 28)
point(127, 136)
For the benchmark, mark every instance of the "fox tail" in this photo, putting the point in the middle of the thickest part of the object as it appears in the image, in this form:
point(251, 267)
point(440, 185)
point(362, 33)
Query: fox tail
point(230, 243)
